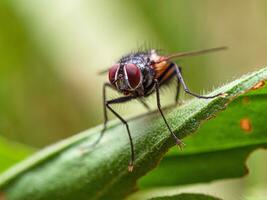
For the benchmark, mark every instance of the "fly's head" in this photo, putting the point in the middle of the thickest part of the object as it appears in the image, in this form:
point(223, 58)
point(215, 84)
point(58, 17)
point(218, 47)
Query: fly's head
point(126, 77)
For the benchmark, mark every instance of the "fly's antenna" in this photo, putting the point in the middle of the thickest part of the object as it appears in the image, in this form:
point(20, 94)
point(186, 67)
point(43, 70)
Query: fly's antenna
point(193, 53)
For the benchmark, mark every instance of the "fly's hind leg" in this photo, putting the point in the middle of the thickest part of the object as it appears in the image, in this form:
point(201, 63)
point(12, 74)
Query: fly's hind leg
point(178, 87)
point(177, 140)
point(186, 89)
point(167, 75)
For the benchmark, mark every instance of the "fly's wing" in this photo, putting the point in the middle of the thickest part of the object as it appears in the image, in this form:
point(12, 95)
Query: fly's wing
point(182, 54)
point(194, 53)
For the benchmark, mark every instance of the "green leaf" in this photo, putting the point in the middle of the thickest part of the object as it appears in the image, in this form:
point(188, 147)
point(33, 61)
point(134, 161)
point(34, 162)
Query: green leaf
point(219, 149)
point(187, 196)
point(62, 171)
point(11, 153)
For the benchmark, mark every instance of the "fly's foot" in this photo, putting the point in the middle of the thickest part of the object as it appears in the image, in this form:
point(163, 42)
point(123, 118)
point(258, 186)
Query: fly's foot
point(223, 94)
point(180, 144)
point(84, 150)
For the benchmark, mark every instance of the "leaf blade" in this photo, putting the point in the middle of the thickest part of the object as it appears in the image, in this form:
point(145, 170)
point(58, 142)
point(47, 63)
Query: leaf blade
point(187, 196)
point(225, 148)
point(103, 172)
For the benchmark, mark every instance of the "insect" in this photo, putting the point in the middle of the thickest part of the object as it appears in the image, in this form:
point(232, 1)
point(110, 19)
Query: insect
point(137, 76)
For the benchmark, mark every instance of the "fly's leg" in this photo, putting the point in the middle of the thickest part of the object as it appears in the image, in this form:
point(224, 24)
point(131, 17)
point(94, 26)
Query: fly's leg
point(106, 104)
point(105, 86)
point(177, 140)
point(91, 146)
point(178, 88)
point(144, 104)
point(180, 77)
point(167, 75)
point(121, 100)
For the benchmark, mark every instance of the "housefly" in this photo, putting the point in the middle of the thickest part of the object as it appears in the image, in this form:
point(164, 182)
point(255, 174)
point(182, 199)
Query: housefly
point(137, 76)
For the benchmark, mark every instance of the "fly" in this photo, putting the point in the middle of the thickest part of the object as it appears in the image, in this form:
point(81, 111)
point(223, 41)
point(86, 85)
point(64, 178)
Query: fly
point(137, 76)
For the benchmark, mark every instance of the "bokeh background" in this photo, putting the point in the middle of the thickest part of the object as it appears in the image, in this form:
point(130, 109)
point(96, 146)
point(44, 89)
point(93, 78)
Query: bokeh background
point(51, 51)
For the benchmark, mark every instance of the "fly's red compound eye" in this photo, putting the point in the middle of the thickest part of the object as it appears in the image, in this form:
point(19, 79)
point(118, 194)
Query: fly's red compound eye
point(134, 75)
point(112, 73)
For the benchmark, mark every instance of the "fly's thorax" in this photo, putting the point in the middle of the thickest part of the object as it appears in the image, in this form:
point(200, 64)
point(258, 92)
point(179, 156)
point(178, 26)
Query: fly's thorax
point(148, 76)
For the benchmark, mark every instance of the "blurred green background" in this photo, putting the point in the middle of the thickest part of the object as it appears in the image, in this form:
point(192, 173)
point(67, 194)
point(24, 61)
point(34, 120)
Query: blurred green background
point(51, 51)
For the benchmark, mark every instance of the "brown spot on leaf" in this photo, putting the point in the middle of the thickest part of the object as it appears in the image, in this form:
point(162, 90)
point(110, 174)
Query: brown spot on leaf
point(2, 196)
point(245, 125)
point(258, 85)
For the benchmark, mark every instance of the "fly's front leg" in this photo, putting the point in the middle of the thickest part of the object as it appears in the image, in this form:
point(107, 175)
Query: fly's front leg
point(121, 100)
point(177, 140)
point(180, 77)
point(104, 91)
point(106, 105)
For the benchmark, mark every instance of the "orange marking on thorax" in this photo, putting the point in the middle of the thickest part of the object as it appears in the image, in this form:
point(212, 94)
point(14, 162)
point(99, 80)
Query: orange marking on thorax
point(160, 69)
